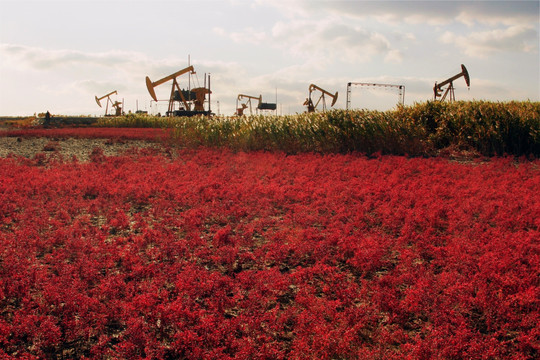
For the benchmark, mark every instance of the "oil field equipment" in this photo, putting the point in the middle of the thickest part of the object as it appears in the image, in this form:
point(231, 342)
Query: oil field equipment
point(243, 106)
point(400, 89)
point(260, 104)
point(438, 88)
point(116, 105)
point(267, 106)
point(191, 100)
point(311, 107)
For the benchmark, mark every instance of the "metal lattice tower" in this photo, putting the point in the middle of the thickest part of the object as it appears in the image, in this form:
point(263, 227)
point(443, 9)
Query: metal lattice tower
point(400, 88)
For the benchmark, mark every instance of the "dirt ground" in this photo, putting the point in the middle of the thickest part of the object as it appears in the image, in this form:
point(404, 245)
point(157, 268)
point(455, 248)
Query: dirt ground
point(69, 147)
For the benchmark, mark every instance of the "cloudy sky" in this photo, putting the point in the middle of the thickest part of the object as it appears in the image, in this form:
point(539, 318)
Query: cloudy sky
point(58, 55)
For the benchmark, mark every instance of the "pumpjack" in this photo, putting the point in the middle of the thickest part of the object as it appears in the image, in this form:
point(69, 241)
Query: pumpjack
point(311, 107)
point(260, 104)
point(116, 104)
point(191, 100)
point(438, 88)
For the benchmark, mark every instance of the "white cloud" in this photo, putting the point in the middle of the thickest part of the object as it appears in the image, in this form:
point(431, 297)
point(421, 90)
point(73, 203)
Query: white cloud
point(494, 13)
point(435, 13)
point(484, 43)
point(42, 59)
point(327, 40)
point(290, 8)
point(99, 67)
point(393, 56)
point(331, 40)
point(248, 35)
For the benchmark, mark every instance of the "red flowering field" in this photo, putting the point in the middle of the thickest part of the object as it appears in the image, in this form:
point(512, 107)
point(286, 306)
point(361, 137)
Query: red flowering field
point(214, 254)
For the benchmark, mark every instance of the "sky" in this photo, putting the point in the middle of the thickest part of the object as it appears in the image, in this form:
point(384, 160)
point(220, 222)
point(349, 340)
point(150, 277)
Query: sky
point(59, 55)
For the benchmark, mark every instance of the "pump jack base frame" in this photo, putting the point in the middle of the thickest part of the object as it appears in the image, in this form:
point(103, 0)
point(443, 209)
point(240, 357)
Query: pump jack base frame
point(188, 113)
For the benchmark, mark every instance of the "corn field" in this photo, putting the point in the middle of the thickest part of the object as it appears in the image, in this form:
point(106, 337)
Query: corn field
point(423, 129)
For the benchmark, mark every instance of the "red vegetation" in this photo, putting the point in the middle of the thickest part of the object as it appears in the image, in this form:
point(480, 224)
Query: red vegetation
point(220, 255)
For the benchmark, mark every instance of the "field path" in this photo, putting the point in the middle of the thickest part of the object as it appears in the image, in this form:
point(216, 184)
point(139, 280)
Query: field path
point(68, 147)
